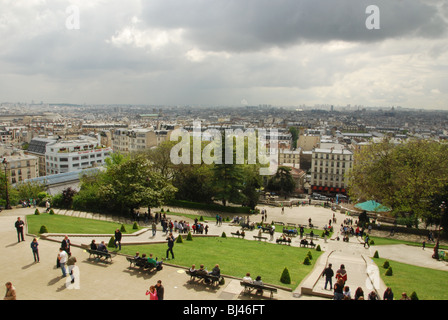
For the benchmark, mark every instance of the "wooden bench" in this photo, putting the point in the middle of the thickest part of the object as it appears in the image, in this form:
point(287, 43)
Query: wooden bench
point(260, 238)
point(283, 241)
point(290, 233)
point(237, 234)
point(307, 244)
point(312, 237)
point(142, 263)
point(291, 225)
point(278, 222)
point(100, 254)
point(206, 277)
point(266, 229)
point(249, 287)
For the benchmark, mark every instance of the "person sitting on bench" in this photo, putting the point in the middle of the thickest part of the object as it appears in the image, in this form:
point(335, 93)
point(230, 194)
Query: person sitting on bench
point(247, 278)
point(311, 243)
point(153, 261)
point(304, 242)
point(258, 282)
point(202, 271)
point(102, 247)
point(215, 271)
point(93, 245)
point(193, 269)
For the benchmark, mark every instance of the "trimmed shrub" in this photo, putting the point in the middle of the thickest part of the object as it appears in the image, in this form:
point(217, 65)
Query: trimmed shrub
point(111, 243)
point(376, 255)
point(179, 239)
point(43, 229)
point(162, 210)
point(285, 278)
point(201, 218)
point(318, 248)
point(309, 255)
point(168, 210)
point(36, 212)
point(223, 235)
point(372, 242)
point(135, 226)
point(389, 272)
point(123, 228)
point(307, 261)
point(51, 211)
point(386, 264)
point(189, 237)
point(414, 296)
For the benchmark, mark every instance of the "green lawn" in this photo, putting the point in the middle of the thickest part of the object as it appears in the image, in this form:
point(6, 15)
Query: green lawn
point(65, 224)
point(236, 257)
point(388, 241)
point(429, 284)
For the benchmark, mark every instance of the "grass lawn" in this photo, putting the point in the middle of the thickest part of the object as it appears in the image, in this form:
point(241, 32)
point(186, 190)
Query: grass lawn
point(388, 241)
point(429, 284)
point(236, 257)
point(64, 224)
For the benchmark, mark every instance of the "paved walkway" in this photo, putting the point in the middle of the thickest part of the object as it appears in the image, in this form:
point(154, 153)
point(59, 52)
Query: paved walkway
point(17, 264)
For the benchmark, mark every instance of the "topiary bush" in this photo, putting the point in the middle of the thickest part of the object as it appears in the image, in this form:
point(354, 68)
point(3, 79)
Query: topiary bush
point(414, 296)
point(36, 212)
point(318, 248)
point(386, 264)
point(307, 261)
point(111, 243)
point(189, 237)
point(168, 210)
point(389, 272)
point(123, 228)
point(309, 255)
point(376, 255)
point(223, 235)
point(372, 242)
point(179, 239)
point(135, 226)
point(43, 229)
point(201, 218)
point(162, 210)
point(285, 278)
point(51, 211)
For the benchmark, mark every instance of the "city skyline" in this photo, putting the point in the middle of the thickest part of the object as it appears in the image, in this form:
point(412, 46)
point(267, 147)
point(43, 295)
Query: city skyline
point(225, 53)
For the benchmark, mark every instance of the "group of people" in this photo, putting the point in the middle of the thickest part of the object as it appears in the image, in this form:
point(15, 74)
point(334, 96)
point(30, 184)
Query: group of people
point(28, 203)
point(257, 281)
point(65, 259)
point(143, 260)
point(202, 271)
point(341, 291)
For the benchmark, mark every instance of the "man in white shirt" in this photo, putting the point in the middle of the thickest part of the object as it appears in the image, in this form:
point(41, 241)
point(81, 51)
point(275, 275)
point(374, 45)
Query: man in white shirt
point(247, 278)
point(62, 257)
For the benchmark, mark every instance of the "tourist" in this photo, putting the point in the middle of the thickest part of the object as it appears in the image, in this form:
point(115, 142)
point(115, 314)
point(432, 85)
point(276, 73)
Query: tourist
point(154, 228)
point(215, 271)
point(170, 240)
point(247, 278)
point(359, 294)
point(118, 237)
point(93, 245)
point(153, 261)
point(388, 294)
point(10, 292)
point(65, 244)
point(19, 227)
point(258, 282)
point(193, 269)
point(404, 296)
point(347, 293)
point(202, 270)
point(328, 273)
point(62, 257)
point(152, 292)
point(338, 290)
point(373, 296)
point(102, 247)
point(342, 274)
point(71, 265)
point(34, 248)
point(160, 290)
point(47, 206)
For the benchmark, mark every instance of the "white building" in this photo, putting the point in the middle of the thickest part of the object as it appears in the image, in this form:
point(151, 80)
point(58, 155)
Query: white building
point(74, 155)
point(329, 168)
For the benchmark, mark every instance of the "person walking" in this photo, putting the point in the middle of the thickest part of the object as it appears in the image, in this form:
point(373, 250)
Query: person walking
point(35, 249)
point(10, 292)
point(19, 226)
point(118, 237)
point(342, 274)
point(170, 246)
point(154, 228)
point(71, 265)
point(328, 273)
point(65, 244)
point(62, 258)
point(160, 290)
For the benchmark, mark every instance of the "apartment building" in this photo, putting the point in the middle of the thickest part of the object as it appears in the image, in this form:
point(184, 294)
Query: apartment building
point(136, 140)
point(289, 158)
point(74, 155)
point(20, 166)
point(329, 168)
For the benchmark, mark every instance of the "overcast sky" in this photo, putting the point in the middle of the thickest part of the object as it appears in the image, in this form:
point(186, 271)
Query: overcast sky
point(178, 52)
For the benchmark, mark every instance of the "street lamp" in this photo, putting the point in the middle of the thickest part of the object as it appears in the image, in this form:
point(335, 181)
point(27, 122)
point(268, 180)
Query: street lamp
point(436, 248)
point(5, 164)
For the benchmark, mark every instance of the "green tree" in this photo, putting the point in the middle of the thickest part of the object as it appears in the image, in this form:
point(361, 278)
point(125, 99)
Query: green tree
point(282, 181)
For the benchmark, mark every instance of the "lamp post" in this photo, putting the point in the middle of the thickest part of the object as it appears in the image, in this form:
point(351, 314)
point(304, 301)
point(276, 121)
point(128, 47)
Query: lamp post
point(436, 247)
point(5, 164)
